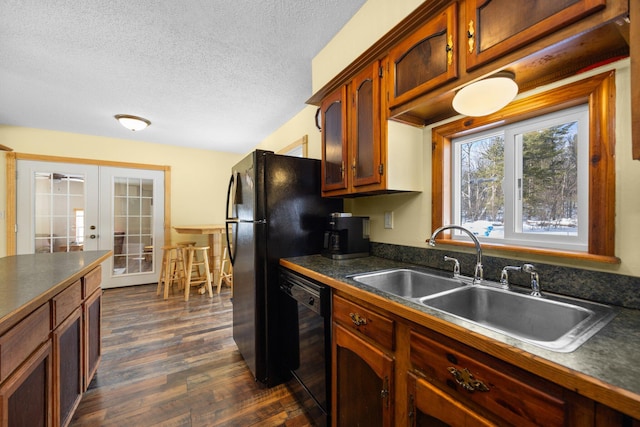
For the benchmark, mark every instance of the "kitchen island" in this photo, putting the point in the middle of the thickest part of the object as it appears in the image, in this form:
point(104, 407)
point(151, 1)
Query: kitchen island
point(49, 334)
point(598, 381)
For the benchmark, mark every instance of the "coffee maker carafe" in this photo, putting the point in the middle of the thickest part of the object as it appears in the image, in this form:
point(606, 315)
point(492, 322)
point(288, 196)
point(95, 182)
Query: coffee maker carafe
point(346, 236)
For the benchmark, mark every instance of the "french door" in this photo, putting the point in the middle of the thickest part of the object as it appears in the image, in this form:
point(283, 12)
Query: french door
point(64, 207)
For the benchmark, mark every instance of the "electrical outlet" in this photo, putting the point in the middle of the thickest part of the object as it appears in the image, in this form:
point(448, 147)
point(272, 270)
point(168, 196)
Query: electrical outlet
point(388, 220)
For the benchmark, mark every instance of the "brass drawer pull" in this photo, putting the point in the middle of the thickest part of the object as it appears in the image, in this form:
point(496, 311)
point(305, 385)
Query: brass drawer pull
point(467, 380)
point(357, 319)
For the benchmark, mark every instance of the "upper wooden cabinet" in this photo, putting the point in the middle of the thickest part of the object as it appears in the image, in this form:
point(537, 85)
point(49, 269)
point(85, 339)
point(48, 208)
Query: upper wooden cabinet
point(357, 158)
point(366, 142)
point(493, 29)
point(351, 135)
point(425, 59)
point(334, 138)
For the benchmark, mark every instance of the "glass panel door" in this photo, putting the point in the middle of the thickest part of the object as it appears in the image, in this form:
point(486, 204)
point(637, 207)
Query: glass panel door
point(132, 203)
point(57, 207)
point(75, 207)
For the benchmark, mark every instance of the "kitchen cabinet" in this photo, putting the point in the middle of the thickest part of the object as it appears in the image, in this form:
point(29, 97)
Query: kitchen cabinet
point(361, 154)
point(67, 362)
point(489, 386)
point(425, 59)
point(334, 142)
point(26, 398)
point(494, 30)
point(351, 136)
point(429, 406)
point(91, 324)
point(363, 384)
point(48, 357)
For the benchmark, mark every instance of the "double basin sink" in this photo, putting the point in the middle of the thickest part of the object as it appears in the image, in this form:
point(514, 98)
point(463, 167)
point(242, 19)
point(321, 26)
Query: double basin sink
point(553, 322)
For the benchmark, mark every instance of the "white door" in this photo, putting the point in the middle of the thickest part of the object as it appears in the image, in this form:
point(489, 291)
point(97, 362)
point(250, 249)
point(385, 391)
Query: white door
point(69, 207)
point(132, 224)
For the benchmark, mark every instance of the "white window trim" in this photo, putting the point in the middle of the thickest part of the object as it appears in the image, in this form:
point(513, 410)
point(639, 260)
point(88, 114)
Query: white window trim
point(579, 114)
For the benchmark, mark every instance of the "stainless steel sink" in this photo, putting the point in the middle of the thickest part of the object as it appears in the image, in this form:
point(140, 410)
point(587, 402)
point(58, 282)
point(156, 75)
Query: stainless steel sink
point(553, 322)
point(408, 283)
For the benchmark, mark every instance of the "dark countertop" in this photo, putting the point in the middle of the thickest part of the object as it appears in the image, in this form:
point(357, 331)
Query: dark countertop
point(604, 368)
point(28, 281)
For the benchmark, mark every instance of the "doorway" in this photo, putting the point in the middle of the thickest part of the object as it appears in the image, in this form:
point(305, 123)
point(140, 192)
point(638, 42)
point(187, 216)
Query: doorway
point(64, 207)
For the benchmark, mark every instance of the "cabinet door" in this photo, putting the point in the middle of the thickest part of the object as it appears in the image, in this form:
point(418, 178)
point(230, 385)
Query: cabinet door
point(67, 362)
point(493, 30)
point(430, 406)
point(334, 141)
point(363, 382)
point(92, 312)
point(25, 398)
point(366, 141)
point(425, 59)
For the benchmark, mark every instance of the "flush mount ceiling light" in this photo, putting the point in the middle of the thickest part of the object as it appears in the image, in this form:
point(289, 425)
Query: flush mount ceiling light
point(133, 123)
point(486, 96)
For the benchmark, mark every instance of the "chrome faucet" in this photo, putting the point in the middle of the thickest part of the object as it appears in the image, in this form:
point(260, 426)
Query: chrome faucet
point(504, 276)
point(535, 281)
point(477, 277)
point(456, 265)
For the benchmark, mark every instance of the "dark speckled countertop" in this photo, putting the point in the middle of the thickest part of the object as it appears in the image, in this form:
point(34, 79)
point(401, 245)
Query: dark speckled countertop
point(606, 365)
point(27, 281)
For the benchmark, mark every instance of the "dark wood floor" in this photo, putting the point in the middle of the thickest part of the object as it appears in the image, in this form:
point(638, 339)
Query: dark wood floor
point(171, 363)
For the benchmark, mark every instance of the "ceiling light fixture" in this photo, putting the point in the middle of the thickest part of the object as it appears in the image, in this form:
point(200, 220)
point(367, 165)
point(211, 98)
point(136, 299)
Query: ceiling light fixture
point(133, 123)
point(486, 96)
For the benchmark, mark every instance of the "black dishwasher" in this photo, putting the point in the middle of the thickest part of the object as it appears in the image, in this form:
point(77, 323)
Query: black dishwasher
point(306, 315)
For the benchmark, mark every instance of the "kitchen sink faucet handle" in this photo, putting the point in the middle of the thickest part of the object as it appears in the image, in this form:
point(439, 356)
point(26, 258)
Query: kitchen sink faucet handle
point(504, 276)
point(456, 265)
point(535, 280)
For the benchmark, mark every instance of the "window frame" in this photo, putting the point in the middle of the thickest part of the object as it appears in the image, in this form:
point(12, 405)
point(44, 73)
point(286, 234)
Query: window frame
point(599, 93)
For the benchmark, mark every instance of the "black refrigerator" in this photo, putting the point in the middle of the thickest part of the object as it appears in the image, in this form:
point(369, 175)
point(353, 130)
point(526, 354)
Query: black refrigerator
point(274, 210)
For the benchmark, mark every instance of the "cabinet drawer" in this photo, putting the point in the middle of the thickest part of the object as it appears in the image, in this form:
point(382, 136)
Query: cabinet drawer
point(513, 395)
point(91, 281)
point(65, 302)
point(23, 339)
point(365, 321)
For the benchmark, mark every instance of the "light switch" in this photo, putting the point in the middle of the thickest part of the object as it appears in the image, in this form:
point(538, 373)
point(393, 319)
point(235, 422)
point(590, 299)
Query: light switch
point(388, 220)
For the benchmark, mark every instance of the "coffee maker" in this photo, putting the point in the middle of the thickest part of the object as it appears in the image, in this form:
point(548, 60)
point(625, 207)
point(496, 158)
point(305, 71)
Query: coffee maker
point(346, 236)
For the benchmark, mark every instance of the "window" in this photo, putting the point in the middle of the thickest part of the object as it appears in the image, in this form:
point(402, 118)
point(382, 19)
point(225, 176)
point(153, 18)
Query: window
point(526, 182)
point(510, 176)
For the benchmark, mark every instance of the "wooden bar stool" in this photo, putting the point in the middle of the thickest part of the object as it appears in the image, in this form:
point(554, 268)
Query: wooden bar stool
point(226, 270)
point(171, 271)
point(182, 259)
point(197, 262)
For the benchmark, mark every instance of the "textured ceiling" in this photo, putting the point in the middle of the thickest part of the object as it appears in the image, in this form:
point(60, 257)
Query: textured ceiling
point(212, 74)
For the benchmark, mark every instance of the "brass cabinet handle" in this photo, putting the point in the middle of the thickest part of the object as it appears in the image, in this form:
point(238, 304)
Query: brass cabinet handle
point(384, 393)
point(470, 34)
point(467, 380)
point(357, 319)
point(450, 50)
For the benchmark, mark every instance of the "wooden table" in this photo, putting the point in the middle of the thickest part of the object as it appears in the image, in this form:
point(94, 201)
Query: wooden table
point(211, 231)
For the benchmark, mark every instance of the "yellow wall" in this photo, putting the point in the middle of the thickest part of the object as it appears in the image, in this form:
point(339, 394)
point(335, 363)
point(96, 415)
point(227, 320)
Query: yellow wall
point(198, 177)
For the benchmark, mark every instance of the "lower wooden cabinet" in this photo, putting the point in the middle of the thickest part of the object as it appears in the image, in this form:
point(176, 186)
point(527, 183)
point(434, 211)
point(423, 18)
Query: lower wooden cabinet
point(26, 396)
point(48, 358)
point(363, 393)
point(68, 343)
point(430, 406)
point(390, 371)
point(91, 315)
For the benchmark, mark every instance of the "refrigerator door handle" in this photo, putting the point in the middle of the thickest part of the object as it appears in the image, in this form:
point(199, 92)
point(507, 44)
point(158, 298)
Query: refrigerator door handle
point(232, 182)
point(231, 249)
